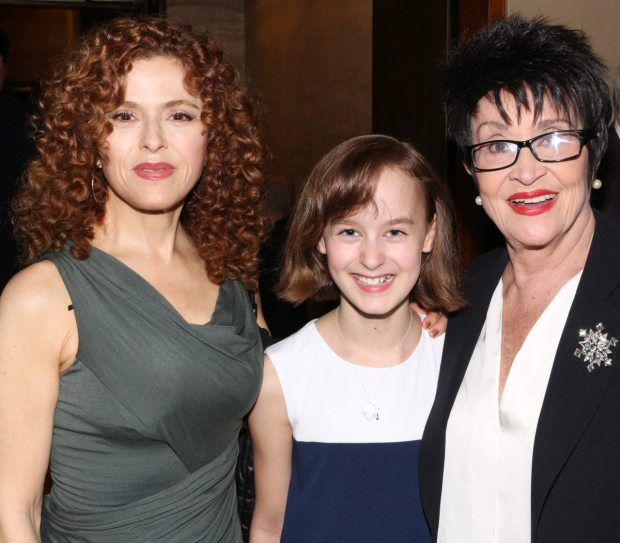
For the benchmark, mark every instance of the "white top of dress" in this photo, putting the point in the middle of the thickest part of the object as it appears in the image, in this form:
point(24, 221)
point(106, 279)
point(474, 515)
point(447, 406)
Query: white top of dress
point(486, 493)
point(324, 397)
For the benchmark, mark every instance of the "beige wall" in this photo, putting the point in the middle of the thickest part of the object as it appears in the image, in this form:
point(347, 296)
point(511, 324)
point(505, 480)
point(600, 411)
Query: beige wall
point(222, 18)
point(311, 62)
point(600, 19)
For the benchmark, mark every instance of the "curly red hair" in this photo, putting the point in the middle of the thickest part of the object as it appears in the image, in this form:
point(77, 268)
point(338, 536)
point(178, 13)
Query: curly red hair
point(223, 212)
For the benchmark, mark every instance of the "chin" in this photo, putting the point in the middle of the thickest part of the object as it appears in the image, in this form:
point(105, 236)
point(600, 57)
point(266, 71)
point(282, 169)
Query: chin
point(536, 237)
point(156, 205)
point(377, 308)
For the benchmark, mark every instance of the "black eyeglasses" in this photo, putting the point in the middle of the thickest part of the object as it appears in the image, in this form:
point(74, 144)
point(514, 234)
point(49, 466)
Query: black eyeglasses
point(551, 147)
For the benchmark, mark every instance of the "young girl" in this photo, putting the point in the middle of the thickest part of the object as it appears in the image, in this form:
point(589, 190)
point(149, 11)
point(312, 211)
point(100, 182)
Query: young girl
point(340, 415)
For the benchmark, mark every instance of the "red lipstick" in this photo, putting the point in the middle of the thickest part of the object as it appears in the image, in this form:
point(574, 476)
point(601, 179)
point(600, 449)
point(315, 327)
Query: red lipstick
point(518, 205)
point(154, 170)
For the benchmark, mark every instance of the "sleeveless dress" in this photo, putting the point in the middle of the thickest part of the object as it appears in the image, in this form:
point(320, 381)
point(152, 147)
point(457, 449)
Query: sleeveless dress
point(148, 416)
point(354, 480)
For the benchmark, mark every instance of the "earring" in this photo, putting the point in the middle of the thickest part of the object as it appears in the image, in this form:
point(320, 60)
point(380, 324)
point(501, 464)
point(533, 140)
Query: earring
point(478, 201)
point(92, 188)
point(597, 184)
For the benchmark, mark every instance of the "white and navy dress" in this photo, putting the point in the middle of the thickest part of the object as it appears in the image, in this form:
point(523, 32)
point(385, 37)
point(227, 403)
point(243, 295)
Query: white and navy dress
point(354, 480)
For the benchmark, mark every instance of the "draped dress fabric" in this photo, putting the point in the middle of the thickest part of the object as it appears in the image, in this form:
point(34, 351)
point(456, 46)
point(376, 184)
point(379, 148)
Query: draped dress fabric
point(148, 415)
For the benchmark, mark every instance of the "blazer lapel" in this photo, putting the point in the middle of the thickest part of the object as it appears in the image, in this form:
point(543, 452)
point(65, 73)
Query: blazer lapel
point(573, 393)
point(461, 343)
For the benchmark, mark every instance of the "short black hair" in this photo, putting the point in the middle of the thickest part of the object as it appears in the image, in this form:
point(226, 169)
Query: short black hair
point(4, 45)
point(519, 55)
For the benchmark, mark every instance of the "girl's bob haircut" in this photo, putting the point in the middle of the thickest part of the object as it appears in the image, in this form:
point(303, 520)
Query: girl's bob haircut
point(343, 183)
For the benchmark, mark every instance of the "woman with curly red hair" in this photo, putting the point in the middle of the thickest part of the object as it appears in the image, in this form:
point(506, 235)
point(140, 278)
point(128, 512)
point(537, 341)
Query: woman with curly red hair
point(140, 222)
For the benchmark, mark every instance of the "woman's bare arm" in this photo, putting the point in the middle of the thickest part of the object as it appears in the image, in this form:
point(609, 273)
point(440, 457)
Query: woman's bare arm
point(37, 336)
point(272, 437)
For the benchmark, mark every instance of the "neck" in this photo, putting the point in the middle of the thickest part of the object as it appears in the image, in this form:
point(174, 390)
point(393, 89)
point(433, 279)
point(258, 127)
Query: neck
point(142, 233)
point(557, 262)
point(373, 340)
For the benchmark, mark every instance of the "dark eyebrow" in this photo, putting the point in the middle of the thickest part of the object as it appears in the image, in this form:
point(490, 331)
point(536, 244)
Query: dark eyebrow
point(129, 105)
point(541, 124)
point(177, 103)
point(167, 105)
point(398, 220)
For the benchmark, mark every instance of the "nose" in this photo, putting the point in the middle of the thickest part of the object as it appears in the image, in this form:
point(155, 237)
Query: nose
point(527, 169)
point(153, 137)
point(372, 255)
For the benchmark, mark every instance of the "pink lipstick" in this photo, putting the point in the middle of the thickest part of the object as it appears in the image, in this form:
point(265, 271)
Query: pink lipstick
point(373, 285)
point(154, 170)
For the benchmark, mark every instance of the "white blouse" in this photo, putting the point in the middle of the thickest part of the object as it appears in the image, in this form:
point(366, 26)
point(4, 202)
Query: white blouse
point(486, 493)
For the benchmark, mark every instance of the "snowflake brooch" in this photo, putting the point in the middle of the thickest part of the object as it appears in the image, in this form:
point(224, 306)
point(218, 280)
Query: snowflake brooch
point(595, 347)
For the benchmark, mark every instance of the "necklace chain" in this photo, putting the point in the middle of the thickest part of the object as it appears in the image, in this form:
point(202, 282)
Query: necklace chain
point(372, 400)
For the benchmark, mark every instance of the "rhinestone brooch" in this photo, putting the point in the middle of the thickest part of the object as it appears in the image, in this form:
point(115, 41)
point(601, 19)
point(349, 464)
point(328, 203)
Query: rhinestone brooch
point(595, 347)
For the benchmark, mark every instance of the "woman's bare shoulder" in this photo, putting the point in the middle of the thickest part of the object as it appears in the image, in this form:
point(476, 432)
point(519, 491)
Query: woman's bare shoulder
point(37, 290)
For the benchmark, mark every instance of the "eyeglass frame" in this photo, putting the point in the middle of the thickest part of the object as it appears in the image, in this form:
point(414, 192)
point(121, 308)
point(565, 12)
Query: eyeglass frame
point(585, 135)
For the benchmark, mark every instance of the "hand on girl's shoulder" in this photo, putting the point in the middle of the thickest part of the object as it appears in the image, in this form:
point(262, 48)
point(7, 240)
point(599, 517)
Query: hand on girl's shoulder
point(433, 321)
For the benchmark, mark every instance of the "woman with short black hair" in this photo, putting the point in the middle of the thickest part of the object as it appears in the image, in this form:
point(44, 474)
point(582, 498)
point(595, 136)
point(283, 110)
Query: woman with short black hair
point(521, 444)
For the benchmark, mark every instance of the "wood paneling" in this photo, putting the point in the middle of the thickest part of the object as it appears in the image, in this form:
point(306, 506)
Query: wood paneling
point(409, 39)
point(38, 37)
point(477, 233)
point(311, 62)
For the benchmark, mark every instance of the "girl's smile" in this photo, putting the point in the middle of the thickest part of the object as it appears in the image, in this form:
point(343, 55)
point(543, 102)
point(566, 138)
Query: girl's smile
point(374, 256)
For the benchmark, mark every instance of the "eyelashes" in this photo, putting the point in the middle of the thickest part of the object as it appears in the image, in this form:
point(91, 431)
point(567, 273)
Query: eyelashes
point(127, 116)
point(351, 233)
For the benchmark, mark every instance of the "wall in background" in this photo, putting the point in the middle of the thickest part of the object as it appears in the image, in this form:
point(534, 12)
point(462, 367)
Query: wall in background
point(222, 18)
point(30, 59)
point(410, 38)
point(311, 62)
point(600, 19)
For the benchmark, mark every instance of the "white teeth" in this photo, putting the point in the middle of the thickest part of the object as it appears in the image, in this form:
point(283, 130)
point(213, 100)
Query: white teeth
point(373, 282)
point(535, 200)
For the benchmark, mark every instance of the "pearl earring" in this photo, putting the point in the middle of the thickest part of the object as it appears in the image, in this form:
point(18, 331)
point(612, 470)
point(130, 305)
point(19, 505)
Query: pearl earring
point(478, 200)
point(597, 184)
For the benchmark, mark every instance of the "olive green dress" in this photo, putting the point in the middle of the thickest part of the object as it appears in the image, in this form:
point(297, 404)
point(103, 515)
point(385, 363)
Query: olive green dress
point(148, 416)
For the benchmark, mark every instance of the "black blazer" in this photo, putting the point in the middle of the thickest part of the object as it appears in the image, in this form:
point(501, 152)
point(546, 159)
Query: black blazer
point(576, 462)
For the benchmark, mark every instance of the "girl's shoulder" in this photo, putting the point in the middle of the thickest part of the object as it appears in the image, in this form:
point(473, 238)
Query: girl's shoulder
point(303, 343)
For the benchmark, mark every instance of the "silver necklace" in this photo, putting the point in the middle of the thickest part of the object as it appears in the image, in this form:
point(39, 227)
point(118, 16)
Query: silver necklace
point(371, 409)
